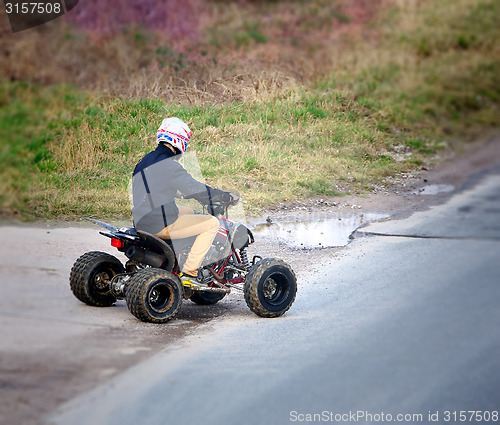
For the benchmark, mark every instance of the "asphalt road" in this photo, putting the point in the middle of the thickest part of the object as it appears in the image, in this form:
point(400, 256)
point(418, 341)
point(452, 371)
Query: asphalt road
point(407, 324)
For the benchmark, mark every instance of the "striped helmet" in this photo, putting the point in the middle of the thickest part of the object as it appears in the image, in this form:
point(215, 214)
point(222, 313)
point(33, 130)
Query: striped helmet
point(175, 132)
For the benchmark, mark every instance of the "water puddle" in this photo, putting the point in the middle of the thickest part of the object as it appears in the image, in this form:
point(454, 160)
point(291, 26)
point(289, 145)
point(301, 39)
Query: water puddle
point(331, 232)
point(434, 189)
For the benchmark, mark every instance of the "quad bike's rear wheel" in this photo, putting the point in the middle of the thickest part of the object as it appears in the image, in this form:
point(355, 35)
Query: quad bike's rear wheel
point(91, 276)
point(206, 298)
point(154, 295)
point(270, 288)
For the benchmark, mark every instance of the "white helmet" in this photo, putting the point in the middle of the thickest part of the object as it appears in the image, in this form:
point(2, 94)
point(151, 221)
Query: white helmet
point(175, 132)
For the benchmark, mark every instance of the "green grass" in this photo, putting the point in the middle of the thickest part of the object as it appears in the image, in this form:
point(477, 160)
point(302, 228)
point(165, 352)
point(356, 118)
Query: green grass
point(82, 159)
point(430, 77)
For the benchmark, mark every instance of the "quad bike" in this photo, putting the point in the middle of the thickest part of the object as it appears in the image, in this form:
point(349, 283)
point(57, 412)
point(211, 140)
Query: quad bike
point(149, 281)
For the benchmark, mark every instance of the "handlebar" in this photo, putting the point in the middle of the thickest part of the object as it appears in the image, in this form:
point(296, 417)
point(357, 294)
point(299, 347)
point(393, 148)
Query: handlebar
point(216, 208)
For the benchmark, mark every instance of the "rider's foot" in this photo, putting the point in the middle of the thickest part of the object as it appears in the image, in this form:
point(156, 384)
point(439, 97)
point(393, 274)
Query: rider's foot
point(190, 280)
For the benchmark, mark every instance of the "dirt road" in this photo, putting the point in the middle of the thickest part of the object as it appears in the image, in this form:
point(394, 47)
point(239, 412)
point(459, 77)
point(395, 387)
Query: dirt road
point(53, 347)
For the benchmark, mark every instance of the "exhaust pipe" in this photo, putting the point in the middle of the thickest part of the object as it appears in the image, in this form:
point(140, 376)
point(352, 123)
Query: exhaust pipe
point(141, 255)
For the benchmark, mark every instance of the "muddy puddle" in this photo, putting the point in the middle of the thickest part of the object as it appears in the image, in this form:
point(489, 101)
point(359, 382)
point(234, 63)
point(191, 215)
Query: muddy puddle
point(323, 233)
point(434, 189)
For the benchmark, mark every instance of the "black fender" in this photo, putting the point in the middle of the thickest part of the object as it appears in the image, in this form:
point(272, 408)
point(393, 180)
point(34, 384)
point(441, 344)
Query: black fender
point(168, 253)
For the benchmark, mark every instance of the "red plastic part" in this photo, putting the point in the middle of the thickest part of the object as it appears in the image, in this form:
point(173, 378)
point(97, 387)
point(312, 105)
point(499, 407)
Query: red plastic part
point(117, 243)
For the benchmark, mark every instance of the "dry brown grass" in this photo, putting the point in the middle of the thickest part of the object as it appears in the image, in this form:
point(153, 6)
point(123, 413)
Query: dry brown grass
point(242, 54)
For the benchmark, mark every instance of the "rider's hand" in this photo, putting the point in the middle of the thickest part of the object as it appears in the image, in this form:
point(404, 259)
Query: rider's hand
point(227, 197)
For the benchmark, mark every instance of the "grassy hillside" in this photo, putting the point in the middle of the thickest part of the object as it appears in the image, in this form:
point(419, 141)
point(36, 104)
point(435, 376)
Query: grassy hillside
point(321, 98)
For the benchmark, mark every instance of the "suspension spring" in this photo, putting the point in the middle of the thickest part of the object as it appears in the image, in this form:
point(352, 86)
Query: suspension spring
point(244, 259)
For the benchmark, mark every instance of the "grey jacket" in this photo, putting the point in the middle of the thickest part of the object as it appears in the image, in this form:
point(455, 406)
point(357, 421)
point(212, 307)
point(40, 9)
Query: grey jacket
point(155, 182)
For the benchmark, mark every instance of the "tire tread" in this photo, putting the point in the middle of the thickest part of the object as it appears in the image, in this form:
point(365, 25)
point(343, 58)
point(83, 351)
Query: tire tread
point(80, 273)
point(136, 290)
point(252, 280)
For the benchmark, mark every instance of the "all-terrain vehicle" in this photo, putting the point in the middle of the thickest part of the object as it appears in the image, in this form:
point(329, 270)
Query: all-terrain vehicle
point(149, 281)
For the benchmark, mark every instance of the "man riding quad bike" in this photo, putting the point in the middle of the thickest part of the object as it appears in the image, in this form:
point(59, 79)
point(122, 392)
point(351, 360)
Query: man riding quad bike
point(176, 253)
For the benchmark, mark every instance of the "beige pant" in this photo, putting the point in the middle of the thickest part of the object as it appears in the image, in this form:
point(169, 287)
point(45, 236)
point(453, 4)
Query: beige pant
point(190, 224)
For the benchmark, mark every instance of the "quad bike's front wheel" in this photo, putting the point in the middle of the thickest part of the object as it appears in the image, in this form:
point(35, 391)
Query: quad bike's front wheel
point(91, 276)
point(270, 288)
point(154, 295)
